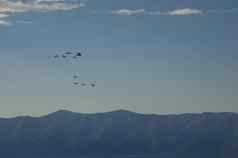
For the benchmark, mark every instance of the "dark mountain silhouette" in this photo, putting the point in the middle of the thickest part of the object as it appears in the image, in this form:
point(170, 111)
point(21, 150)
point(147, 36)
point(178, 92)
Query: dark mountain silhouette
point(65, 133)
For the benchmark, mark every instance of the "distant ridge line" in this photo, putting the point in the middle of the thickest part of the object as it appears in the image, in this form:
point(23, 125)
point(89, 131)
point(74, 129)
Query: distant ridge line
point(121, 132)
point(67, 112)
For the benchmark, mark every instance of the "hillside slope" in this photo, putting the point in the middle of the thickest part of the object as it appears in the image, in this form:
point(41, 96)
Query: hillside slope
point(207, 135)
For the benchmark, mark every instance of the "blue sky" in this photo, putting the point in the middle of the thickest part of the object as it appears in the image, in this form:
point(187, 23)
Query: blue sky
point(150, 56)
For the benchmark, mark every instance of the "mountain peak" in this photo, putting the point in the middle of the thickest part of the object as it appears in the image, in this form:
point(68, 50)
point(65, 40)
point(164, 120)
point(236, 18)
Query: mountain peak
point(121, 111)
point(62, 113)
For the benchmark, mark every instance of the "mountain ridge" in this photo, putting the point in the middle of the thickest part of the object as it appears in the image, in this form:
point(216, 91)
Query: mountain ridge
point(67, 112)
point(121, 132)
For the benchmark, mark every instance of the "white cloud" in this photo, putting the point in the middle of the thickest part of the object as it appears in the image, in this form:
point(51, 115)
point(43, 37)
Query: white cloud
point(128, 12)
point(4, 23)
point(19, 6)
point(182, 12)
point(40, 1)
point(82, 4)
point(3, 16)
point(7, 6)
point(189, 11)
point(176, 12)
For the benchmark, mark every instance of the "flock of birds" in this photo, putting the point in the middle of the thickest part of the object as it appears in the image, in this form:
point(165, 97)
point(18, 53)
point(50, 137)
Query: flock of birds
point(76, 77)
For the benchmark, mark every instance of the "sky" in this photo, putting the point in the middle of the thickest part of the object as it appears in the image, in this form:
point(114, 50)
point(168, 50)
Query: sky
point(148, 56)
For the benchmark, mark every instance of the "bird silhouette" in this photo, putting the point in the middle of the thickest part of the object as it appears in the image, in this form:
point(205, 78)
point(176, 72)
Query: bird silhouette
point(64, 56)
point(76, 83)
point(77, 55)
point(75, 76)
point(56, 56)
point(68, 53)
point(93, 85)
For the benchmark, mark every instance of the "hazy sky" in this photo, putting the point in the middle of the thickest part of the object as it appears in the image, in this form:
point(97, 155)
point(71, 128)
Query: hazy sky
point(150, 56)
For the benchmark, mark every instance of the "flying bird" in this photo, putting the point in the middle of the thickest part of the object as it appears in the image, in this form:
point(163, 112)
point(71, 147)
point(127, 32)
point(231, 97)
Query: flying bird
point(75, 76)
point(64, 56)
point(77, 55)
point(93, 85)
point(76, 83)
point(56, 56)
point(68, 53)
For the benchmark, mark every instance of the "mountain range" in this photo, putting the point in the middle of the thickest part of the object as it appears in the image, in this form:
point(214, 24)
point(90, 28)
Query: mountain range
point(120, 133)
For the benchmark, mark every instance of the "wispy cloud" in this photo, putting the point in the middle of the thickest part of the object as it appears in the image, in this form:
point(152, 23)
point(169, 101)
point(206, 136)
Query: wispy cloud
point(19, 6)
point(7, 7)
point(190, 11)
point(3, 16)
point(176, 12)
point(40, 1)
point(3, 20)
point(128, 12)
point(4, 23)
point(182, 12)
